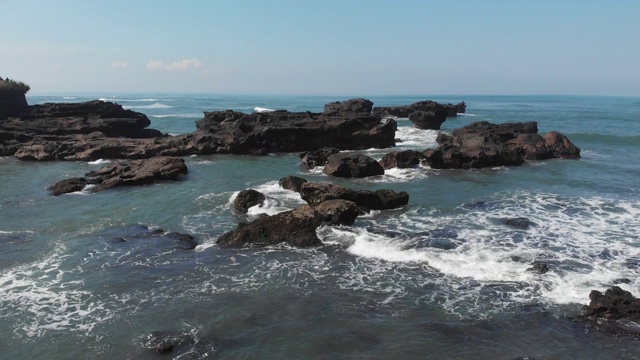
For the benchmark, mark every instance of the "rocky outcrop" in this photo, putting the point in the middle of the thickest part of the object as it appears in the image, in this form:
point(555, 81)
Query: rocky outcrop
point(317, 193)
point(296, 228)
point(338, 212)
point(347, 165)
point(311, 159)
point(292, 183)
point(483, 144)
point(13, 102)
point(402, 159)
point(137, 172)
point(282, 131)
point(248, 198)
point(615, 303)
point(351, 106)
point(96, 129)
point(427, 120)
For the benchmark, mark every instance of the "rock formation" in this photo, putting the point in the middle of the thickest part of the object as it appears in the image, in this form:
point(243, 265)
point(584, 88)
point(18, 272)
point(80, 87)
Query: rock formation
point(137, 172)
point(349, 165)
point(483, 144)
point(317, 193)
point(97, 129)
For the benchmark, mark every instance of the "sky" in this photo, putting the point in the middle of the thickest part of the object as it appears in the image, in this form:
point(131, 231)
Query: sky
point(330, 47)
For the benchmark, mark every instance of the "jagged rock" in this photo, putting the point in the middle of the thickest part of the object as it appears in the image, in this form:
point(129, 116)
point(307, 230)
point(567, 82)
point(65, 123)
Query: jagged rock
point(348, 165)
point(316, 193)
point(440, 111)
point(520, 223)
point(401, 159)
point(293, 183)
point(296, 228)
point(615, 303)
point(351, 106)
point(248, 198)
point(427, 120)
point(188, 241)
point(483, 144)
point(561, 146)
point(539, 268)
point(433, 158)
point(311, 159)
point(283, 131)
point(165, 342)
point(68, 186)
point(338, 212)
point(137, 172)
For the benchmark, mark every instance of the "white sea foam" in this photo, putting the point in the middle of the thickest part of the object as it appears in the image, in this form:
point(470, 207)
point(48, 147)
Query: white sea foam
point(263, 109)
point(99, 162)
point(152, 106)
point(277, 199)
point(69, 97)
point(414, 138)
point(467, 114)
point(588, 243)
point(177, 116)
point(43, 292)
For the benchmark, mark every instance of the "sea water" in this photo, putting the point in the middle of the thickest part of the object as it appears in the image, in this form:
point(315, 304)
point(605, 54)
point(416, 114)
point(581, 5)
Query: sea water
point(82, 276)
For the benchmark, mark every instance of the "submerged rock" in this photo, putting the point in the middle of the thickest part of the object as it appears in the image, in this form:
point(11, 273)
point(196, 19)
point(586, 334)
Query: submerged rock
point(137, 172)
point(68, 186)
point(352, 166)
point(248, 198)
point(539, 268)
point(519, 223)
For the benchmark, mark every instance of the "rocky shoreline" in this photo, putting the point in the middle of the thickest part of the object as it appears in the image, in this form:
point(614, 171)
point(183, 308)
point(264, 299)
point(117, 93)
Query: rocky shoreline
point(104, 130)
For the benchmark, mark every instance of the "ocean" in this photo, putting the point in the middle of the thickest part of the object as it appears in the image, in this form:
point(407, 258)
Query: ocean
point(83, 277)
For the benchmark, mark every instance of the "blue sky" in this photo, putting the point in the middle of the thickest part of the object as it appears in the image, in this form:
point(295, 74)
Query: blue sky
point(323, 47)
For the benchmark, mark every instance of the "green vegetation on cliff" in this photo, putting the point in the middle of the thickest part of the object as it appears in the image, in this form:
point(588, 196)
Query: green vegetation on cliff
point(12, 85)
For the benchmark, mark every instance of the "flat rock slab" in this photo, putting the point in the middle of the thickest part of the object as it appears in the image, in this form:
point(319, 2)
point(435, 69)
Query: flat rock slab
point(137, 172)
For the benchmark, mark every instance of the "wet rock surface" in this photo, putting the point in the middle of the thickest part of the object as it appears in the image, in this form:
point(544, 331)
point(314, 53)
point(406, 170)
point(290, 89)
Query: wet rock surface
point(483, 144)
point(248, 198)
point(135, 173)
point(347, 165)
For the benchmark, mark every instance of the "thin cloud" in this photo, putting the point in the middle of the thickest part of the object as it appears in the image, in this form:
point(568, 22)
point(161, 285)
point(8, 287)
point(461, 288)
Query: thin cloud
point(119, 65)
point(182, 65)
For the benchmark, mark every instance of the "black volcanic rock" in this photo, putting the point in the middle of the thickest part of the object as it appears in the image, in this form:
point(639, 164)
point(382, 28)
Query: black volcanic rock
point(351, 106)
point(615, 303)
point(405, 110)
point(427, 120)
point(96, 129)
point(483, 144)
point(248, 198)
point(296, 228)
point(293, 183)
point(137, 172)
point(283, 131)
point(311, 159)
point(68, 186)
point(401, 159)
point(317, 193)
point(348, 165)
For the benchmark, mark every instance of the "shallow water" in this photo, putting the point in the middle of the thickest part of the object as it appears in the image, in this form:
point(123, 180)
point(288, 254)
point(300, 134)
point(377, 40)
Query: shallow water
point(84, 276)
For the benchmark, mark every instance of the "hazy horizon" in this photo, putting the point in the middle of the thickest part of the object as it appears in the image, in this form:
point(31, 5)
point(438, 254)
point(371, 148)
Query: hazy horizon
point(368, 48)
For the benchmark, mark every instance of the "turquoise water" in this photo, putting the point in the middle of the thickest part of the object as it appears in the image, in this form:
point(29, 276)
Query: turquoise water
point(442, 278)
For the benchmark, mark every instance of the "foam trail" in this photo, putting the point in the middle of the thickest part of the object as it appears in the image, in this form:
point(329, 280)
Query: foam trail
point(99, 162)
point(152, 106)
point(263, 110)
